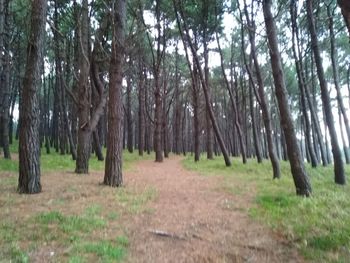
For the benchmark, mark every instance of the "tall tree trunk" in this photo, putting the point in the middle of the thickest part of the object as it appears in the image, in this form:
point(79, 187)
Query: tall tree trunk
point(301, 180)
point(301, 82)
point(84, 95)
point(158, 119)
point(209, 126)
point(177, 124)
point(339, 176)
point(129, 121)
point(141, 97)
point(230, 89)
point(196, 124)
point(334, 59)
point(2, 51)
point(261, 98)
point(255, 135)
point(5, 83)
point(29, 150)
point(113, 169)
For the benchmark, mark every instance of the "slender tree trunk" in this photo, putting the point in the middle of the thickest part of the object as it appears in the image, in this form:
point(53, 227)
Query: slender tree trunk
point(129, 121)
point(230, 89)
point(345, 148)
point(196, 125)
point(141, 97)
point(113, 169)
point(301, 82)
point(261, 98)
point(5, 83)
point(255, 135)
point(339, 176)
point(177, 124)
point(334, 59)
point(29, 150)
point(209, 127)
point(301, 180)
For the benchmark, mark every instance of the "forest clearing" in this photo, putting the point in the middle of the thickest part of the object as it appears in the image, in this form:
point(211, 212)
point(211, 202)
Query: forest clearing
point(174, 131)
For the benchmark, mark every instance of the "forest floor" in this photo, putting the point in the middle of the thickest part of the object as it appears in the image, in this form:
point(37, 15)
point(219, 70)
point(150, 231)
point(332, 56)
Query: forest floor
point(164, 213)
point(193, 220)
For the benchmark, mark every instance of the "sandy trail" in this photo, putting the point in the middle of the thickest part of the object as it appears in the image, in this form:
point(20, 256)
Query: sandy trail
point(200, 223)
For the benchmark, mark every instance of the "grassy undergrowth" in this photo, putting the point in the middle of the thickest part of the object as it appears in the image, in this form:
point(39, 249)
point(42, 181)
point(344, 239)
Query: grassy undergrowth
point(67, 222)
point(319, 226)
point(97, 233)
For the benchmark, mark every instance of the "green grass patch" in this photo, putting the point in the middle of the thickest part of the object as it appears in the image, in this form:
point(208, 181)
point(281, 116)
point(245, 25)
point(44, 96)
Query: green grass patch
point(319, 225)
point(135, 201)
point(8, 165)
point(107, 251)
point(71, 224)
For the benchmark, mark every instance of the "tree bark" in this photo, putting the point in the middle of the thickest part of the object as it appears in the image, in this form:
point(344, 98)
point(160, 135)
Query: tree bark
point(5, 83)
point(141, 110)
point(301, 180)
point(29, 148)
point(129, 121)
point(339, 176)
point(84, 95)
point(113, 169)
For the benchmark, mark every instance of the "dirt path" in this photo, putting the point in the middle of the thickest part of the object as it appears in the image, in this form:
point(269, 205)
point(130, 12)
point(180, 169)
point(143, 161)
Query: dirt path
point(201, 223)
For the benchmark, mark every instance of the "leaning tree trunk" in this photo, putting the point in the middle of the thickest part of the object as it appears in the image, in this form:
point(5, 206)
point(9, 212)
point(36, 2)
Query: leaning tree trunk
point(29, 148)
point(301, 84)
point(301, 180)
point(113, 169)
point(204, 87)
point(230, 89)
point(261, 98)
point(334, 59)
point(339, 176)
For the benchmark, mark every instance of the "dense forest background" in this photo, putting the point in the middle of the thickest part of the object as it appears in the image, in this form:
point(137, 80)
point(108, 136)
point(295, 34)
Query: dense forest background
point(250, 79)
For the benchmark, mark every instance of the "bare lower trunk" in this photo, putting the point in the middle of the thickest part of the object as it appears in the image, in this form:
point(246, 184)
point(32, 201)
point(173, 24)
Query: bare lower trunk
point(29, 151)
point(84, 131)
point(141, 97)
point(113, 169)
point(5, 84)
